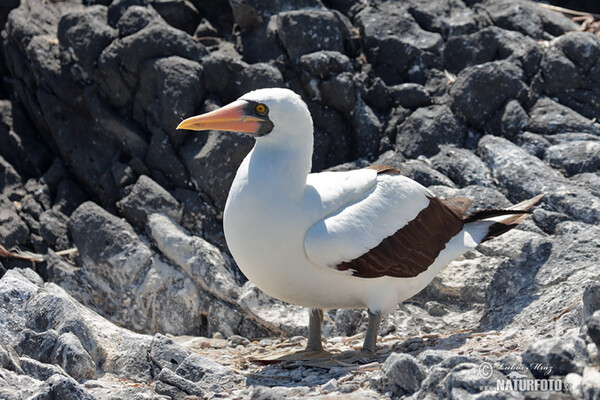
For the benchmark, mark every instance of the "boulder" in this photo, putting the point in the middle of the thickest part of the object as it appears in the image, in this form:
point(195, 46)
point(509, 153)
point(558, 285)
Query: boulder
point(145, 198)
point(426, 129)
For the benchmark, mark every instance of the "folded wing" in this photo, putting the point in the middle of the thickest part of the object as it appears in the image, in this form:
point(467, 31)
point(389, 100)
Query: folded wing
point(397, 228)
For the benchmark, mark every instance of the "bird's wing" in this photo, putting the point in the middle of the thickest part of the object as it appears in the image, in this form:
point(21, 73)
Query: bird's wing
point(397, 228)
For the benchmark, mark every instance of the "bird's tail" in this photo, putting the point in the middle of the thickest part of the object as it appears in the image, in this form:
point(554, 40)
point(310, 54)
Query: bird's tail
point(487, 224)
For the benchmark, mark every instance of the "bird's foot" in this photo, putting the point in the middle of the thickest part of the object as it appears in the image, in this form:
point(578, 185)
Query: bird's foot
point(361, 356)
point(309, 355)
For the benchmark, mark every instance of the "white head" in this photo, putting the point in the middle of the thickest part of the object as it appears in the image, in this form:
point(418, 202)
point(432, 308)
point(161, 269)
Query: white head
point(274, 116)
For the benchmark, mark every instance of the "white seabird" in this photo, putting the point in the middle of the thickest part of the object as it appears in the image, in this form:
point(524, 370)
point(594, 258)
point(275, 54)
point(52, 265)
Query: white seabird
point(368, 238)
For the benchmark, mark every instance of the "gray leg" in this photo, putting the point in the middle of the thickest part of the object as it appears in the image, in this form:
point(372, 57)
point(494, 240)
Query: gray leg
point(371, 335)
point(314, 330)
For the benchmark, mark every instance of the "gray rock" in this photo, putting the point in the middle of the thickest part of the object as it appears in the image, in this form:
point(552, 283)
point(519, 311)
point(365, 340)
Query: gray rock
point(410, 95)
point(593, 327)
point(38, 346)
point(404, 373)
point(338, 92)
point(175, 383)
point(559, 73)
point(228, 76)
point(509, 121)
point(481, 90)
point(248, 14)
point(514, 16)
point(173, 91)
point(53, 229)
point(426, 129)
point(556, 356)
point(466, 50)
point(212, 162)
point(13, 231)
point(134, 19)
point(574, 157)
point(366, 129)
point(462, 166)
point(38, 370)
point(68, 196)
point(549, 117)
point(181, 14)
point(87, 34)
point(208, 374)
point(447, 18)
point(591, 300)
point(395, 44)
point(126, 54)
point(112, 238)
point(166, 354)
point(524, 176)
point(20, 146)
point(62, 387)
point(590, 384)
point(69, 354)
point(199, 259)
point(327, 31)
point(119, 7)
point(324, 64)
point(431, 357)
point(148, 197)
point(534, 144)
point(9, 178)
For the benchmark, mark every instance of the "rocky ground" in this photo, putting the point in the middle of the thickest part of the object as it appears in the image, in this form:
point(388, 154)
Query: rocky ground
point(116, 282)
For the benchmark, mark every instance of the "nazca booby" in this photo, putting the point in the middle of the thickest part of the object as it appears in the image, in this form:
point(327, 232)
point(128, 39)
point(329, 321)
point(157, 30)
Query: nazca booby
point(369, 238)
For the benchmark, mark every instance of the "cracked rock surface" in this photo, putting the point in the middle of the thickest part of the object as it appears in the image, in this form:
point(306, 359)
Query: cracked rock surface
point(495, 100)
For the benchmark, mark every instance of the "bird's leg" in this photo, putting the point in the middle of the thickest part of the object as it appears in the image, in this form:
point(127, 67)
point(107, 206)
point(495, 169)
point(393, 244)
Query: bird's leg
point(369, 345)
point(370, 342)
point(314, 348)
point(315, 320)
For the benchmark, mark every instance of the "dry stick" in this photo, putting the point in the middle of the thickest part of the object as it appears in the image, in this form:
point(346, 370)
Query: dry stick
point(566, 310)
point(566, 10)
point(29, 256)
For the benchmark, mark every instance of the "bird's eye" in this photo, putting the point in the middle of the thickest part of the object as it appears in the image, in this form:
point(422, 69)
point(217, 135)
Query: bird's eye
point(260, 109)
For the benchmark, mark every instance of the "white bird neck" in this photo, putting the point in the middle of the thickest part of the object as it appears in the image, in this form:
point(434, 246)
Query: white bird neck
point(282, 164)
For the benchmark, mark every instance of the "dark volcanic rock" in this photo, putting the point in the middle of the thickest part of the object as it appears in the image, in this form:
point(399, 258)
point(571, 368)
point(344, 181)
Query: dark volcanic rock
point(514, 15)
point(134, 19)
point(575, 157)
point(212, 164)
point(462, 166)
point(13, 230)
point(396, 45)
point(426, 129)
point(147, 197)
point(119, 62)
point(173, 92)
point(181, 14)
point(306, 31)
point(481, 90)
point(549, 117)
point(558, 355)
point(525, 176)
point(87, 33)
point(404, 373)
point(248, 14)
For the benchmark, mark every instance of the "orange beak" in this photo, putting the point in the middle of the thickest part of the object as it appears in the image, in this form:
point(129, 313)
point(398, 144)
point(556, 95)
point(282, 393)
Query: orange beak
point(228, 118)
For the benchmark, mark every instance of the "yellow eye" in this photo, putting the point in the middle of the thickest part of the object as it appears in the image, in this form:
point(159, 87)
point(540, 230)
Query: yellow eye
point(261, 108)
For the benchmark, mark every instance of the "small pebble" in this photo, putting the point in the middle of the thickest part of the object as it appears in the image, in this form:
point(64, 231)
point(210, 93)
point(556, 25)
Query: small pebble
point(235, 340)
point(297, 339)
point(329, 386)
